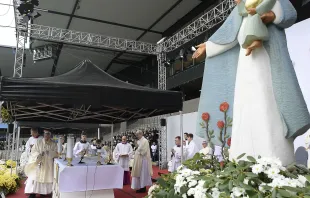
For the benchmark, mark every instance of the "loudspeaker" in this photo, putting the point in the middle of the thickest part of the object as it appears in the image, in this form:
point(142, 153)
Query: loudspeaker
point(10, 128)
point(162, 122)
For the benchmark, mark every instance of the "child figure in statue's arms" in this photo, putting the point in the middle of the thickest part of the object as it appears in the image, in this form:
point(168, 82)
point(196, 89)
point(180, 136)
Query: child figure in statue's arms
point(255, 30)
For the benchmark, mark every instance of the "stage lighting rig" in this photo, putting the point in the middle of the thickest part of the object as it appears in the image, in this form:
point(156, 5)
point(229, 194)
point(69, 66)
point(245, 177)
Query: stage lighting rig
point(26, 8)
point(44, 52)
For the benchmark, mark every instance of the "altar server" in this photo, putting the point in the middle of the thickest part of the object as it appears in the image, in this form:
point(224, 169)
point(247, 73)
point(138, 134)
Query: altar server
point(142, 165)
point(176, 154)
point(29, 144)
point(191, 148)
point(39, 169)
point(122, 154)
point(82, 147)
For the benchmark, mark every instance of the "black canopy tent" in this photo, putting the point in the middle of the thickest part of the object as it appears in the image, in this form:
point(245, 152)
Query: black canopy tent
point(84, 94)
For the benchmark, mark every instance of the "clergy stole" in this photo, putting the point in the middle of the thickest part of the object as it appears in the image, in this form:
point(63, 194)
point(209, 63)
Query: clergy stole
point(143, 151)
point(41, 173)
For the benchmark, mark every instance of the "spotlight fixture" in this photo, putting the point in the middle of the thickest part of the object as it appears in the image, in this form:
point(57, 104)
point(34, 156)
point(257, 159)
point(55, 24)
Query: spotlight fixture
point(167, 63)
point(26, 7)
point(181, 53)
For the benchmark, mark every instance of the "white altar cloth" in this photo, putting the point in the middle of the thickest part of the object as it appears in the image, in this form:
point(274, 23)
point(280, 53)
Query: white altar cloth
point(88, 176)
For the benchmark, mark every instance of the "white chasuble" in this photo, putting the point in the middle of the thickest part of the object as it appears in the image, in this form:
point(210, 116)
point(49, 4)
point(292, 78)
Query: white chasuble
point(39, 169)
point(119, 152)
point(142, 153)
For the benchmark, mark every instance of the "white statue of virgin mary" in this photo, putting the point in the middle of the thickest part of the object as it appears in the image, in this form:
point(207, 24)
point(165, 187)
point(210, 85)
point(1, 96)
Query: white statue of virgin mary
point(267, 104)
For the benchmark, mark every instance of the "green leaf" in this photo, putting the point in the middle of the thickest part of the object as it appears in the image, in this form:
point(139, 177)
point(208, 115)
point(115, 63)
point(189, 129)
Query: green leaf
point(268, 188)
point(251, 159)
point(298, 190)
point(230, 185)
point(251, 193)
point(274, 193)
point(251, 174)
point(307, 177)
point(184, 189)
point(246, 187)
point(171, 193)
point(223, 187)
point(241, 156)
point(284, 193)
point(208, 195)
point(161, 194)
point(162, 182)
point(259, 195)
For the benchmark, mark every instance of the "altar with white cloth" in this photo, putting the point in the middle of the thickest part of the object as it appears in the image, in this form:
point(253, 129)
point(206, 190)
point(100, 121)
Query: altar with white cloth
point(87, 179)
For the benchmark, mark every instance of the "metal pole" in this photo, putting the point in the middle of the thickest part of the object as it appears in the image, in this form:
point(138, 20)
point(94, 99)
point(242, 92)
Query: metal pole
point(13, 144)
point(17, 147)
point(181, 134)
point(98, 133)
point(8, 146)
point(112, 128)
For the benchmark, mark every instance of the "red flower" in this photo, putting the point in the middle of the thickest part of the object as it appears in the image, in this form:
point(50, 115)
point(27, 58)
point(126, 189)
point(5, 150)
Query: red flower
point(220, 124)
point(224, 107)
point(222, 164)
point(229, 141)
point(205, 117)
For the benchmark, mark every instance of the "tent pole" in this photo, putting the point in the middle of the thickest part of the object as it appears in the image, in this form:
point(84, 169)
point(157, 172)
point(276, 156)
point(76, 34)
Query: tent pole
point(17, 146)
point(181, 135)
point(112, 128)
point(13, 144)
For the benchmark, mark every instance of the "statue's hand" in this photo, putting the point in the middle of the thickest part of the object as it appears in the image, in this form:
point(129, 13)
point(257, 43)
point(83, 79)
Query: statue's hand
point(268, 17)
point(201, 50)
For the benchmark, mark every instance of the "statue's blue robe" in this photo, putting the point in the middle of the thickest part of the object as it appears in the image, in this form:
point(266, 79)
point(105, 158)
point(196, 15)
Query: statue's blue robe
point(220, 75)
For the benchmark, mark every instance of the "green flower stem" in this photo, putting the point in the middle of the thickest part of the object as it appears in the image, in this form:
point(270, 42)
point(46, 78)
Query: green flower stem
point(207, 131)
point(223, 139)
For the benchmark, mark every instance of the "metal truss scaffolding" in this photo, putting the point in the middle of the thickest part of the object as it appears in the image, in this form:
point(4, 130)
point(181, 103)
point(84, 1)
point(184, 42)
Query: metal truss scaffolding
point(21, 40)
point(162, 73)
point(204, 23)
point(89, 39)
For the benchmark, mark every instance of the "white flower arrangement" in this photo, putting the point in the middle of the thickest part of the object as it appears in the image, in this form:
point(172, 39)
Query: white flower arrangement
point(254, 177)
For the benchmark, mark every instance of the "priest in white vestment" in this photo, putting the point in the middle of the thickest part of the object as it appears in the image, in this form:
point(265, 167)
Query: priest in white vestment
point(29, 144)
point(39, 169)
point(142, 165)
point(176, 155)
point(122, 155)
point(82, 147)
point(191, 148)
point(206, 150)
